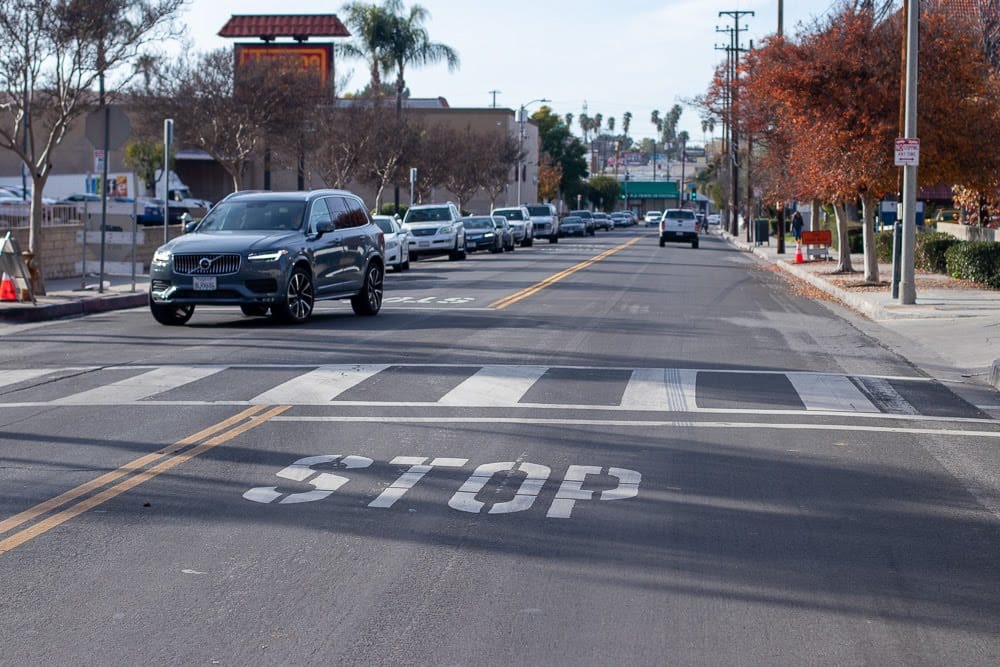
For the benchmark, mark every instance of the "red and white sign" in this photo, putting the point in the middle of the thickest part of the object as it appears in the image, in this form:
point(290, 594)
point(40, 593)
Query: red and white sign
point(907, 152)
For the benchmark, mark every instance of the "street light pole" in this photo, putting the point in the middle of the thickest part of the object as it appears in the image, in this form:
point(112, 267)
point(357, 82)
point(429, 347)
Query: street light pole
point(520, 143)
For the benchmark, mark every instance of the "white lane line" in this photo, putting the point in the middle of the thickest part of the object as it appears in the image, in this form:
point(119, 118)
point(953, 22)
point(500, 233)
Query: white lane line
point(830, 392)
point(383, 419)
point(133, 389)
point(319, 386)
point(494, 386)
point(9, 377)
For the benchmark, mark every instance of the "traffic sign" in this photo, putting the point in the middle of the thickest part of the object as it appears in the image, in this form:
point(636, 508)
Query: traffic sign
point(118, 128)
point(907, 152)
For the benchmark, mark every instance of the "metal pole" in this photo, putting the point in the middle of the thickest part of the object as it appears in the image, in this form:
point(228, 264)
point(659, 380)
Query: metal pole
point(135, 230)
point(104, 180)
point(83, 252)
point(520, 150)
point(168, 139)
point(907, 286)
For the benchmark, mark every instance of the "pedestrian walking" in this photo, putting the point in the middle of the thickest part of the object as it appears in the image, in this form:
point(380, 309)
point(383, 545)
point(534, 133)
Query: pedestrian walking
point(797, 226)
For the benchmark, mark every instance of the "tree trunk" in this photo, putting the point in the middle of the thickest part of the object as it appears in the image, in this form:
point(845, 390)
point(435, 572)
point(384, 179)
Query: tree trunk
point(868, 235)
point(844, 265)
point(816, 210)
point(35, 240)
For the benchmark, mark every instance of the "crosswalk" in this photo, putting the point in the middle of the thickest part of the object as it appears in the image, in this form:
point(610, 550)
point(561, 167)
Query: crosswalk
point(487, 386)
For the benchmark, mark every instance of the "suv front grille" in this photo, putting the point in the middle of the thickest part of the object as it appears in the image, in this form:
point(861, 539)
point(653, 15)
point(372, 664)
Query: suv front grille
point(423, 232)
point(206, 264)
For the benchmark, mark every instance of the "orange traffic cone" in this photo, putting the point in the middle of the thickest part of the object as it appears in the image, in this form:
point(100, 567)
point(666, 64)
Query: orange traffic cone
point(798, 253)
point(7, 291)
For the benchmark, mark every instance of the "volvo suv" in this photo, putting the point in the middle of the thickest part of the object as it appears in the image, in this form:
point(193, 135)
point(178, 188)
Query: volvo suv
point(545, 221)
point(435, 229)
point(272, 251)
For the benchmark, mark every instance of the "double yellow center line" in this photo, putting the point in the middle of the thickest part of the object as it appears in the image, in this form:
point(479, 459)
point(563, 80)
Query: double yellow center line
point(134, 473)
point(539, 286)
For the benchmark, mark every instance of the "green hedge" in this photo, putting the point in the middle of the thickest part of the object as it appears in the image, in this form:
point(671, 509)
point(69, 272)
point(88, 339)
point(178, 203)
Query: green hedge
point(390, 208)
point(978, 261)
point(883, 246)
point(930, 251)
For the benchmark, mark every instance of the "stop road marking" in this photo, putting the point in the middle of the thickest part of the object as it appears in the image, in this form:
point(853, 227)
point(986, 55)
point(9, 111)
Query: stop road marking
point(570, 490)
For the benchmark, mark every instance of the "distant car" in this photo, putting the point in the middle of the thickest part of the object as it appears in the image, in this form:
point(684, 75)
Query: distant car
point(505, 231)
point(277, 251)
point(520, 221)
point(588, 219)
point(603, 221)
point(679, 224)
point(481, 234)
point(397, 242)
point(714, 219)
point(573, 225)
point(621, 219)
point(25, 195)
point(435, 229)
point(545, 221)
point(652, 217)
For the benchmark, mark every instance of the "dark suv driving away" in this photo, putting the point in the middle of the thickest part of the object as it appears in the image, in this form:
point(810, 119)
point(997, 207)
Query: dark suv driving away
point(277, 251)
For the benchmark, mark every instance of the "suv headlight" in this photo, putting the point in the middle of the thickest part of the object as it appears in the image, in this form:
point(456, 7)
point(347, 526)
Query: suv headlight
point(446, 230)
point(162, 257)
point(267, 256)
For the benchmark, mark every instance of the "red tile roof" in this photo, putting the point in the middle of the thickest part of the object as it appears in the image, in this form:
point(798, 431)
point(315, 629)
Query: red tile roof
point(284, 25)
point(968, 9)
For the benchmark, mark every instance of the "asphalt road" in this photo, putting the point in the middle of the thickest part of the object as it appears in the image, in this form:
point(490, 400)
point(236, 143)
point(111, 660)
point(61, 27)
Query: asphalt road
point(593, 452)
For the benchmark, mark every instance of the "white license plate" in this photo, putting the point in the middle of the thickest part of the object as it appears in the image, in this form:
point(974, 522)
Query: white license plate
point(424, 244)
point(204, 283)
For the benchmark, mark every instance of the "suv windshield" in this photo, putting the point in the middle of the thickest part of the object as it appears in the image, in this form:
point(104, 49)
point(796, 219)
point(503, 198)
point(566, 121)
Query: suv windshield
point(582, 214)
point(539, 210)
point(683, 215)
point(256, 215)
point(510, 214)
point(385, 225)
point(437, 214)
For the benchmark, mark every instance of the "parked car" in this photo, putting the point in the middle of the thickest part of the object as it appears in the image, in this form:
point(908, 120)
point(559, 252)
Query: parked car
point(588, 219)
point(506, 232)
point(621, 219)
point(435, 229)
point(520, 222)
point(714, 219)
point(481, 234)
point(603, 221)
point(397, 242)
point(277, 251)
point(573, 225)
point(679, 224)
point(652, 217)
point(545, 221)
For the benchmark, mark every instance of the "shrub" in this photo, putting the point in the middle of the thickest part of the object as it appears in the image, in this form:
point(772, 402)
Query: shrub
point(978, 261)
point(930, 251)
point(390, 208)
point(883, 246)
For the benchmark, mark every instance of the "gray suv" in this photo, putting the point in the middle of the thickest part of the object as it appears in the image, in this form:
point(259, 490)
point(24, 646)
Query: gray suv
point(277, 251)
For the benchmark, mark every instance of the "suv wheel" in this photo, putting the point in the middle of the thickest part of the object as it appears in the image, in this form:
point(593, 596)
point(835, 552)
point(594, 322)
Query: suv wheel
point(369, 300)
point(554, 238)
point(528, 242)
point(171, 315)
point(299, 298)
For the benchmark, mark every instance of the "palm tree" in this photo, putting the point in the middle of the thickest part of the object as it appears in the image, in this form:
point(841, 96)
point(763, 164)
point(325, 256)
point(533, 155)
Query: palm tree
point(611, 125)
point(372, 26)
point(626, 121)
point(584, 121)
point(569, 121)
point(409, 44)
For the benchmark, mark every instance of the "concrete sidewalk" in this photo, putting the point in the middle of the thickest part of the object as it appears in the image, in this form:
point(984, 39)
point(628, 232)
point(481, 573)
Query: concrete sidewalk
point(952, 332)
point(66, 297)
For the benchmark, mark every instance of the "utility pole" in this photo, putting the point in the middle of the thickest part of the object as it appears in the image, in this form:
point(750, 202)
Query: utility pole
point(734, 50)
point(907, 283)
point(494, 93)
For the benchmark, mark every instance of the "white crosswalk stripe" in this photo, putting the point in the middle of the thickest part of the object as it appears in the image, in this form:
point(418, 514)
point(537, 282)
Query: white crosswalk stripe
point(141, 386)
point(9, 377)
point(318, 387)
point(830, 392)
point(494, 386)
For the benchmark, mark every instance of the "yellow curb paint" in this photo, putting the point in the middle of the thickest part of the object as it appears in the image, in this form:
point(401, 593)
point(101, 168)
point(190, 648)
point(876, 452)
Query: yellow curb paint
point(511, 299)
point(19, 538)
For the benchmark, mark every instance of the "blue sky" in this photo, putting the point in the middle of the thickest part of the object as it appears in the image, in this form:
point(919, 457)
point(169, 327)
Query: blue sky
point(630, 55)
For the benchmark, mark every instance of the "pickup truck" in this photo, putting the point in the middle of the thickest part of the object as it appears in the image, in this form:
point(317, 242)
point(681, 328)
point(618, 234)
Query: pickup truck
point(678, 224)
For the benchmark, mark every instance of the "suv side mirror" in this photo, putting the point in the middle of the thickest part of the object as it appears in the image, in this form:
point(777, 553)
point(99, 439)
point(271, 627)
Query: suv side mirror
point(324, 227)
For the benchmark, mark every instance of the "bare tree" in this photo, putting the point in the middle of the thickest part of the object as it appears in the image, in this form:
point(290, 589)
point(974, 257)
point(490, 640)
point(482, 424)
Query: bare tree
point(344, 133)
point(55, 53)
point(482, 160)
point(394, 141)
point(434, 161)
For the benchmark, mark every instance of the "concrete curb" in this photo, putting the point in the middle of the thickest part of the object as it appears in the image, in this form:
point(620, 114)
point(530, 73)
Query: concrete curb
point(995, 374)
point(52, 311)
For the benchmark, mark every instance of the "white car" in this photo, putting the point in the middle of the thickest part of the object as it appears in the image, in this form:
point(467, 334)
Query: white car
point(435, 229)
point(652, 218)
point(397, 241)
